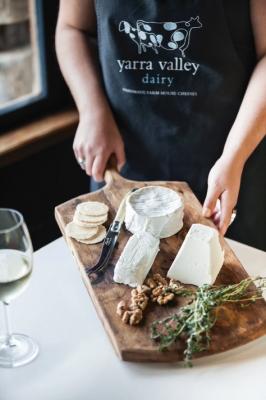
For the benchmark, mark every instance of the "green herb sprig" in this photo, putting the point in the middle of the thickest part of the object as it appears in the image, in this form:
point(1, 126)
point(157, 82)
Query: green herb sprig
point(195, 320)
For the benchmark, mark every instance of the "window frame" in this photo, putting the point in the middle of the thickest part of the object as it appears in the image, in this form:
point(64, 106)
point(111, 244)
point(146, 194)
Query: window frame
point(55, 94)
point(30, 99)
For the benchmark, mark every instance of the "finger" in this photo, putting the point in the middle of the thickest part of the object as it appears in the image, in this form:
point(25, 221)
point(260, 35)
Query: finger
point(78, 151)
point(88, 164)
point(216, 215)
point(217, 207)
point(99, 166)
point(75, 152)
point(216, 218)
point(74, 147)
point(209, 205)
point(121, 157)
point(226, 211)
point(79, 154)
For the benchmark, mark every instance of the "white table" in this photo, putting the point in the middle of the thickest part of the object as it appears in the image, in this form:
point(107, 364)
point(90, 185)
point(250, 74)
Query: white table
point(77, 361)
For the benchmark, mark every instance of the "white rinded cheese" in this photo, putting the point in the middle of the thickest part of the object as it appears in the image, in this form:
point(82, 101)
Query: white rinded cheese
point(200, 257)
point(156, 209)
point(136, 259)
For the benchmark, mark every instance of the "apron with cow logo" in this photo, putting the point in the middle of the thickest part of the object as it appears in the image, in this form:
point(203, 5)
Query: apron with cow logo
point(175, 73)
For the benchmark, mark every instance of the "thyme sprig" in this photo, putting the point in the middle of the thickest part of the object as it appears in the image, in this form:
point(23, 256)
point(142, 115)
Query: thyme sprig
point(195, 320)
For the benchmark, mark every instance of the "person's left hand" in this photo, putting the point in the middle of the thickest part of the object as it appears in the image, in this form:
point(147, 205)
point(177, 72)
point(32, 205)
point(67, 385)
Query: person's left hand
point(223, 184)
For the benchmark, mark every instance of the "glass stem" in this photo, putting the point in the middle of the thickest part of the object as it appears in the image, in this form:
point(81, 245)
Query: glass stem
point(8, 338)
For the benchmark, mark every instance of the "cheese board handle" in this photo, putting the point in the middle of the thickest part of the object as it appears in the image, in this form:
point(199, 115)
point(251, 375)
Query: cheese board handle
point(111, 173)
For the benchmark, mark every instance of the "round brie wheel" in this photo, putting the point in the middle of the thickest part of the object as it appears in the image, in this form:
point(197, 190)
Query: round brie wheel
point(155, 209)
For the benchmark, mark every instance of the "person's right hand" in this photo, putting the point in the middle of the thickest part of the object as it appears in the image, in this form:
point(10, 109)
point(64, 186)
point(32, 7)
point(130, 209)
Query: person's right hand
point(95, 141)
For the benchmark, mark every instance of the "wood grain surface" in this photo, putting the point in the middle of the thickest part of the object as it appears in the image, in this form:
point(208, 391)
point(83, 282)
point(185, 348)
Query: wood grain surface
point(235, 326)
point(34, 136)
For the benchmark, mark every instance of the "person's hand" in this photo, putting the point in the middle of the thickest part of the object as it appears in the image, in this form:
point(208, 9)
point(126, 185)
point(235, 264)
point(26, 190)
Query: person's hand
point(223, 184)
point(95, 141)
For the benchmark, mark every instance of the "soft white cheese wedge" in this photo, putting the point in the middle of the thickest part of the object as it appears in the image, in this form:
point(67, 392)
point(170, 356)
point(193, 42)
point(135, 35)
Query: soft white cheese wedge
point(155, 209)
point(136, 259)
point(200, 257)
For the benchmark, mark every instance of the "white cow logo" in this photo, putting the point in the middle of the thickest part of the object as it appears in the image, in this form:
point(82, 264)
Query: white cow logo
point(164, 35)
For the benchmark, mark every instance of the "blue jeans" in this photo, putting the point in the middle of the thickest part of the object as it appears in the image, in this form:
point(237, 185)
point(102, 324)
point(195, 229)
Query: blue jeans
point(95, 185)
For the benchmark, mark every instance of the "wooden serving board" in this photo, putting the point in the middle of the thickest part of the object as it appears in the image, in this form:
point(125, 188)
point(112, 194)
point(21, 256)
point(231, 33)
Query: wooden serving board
point(235, 326)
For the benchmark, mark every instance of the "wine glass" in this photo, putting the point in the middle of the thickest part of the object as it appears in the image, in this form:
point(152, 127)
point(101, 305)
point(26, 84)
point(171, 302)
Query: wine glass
point(16, 260)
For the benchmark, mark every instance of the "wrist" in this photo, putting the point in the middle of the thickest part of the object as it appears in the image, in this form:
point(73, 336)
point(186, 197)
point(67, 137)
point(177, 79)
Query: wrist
point(235, 159)
point(235, 152)
point(93, 115)
point(236, 149)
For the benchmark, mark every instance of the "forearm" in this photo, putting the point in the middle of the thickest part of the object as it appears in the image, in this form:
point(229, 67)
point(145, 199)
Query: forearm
point(249, 127)
point(78, 62)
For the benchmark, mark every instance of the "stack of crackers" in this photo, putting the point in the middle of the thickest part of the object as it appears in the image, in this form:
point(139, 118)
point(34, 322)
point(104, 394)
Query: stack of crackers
point(86, 226)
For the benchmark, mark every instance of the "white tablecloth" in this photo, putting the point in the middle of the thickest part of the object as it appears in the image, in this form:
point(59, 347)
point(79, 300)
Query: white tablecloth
point(77, 361)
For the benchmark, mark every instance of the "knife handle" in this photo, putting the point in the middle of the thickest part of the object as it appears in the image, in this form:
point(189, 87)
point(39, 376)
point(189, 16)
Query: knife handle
point(111, 173)
point(120, 215)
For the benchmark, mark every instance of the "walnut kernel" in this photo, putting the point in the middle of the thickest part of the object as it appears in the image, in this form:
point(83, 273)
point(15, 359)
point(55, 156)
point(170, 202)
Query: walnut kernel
point(126, 316)
point(136, 317)
point(151, 283)
point(121, 308)
point(159, 279)
point(165, 298)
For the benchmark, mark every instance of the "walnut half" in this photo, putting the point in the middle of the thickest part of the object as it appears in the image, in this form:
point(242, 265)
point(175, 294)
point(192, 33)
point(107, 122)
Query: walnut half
point(157, 289)
point(121, 308)
point(165, 298)
point(138, 300)
point(132, 317)
point(132, 314)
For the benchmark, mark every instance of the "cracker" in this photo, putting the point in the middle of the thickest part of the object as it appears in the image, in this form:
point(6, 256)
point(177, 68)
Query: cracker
point(93, 208)
point(78, 232)
point(100, 235)
point(91, 219)
point(91, 216)
point(86, 224)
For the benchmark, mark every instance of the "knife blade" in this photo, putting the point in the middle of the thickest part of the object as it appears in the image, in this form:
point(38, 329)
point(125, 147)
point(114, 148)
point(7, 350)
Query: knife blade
point(109, 241)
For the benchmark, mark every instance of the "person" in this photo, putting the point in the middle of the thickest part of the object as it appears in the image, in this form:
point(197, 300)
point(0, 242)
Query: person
point(177, 91)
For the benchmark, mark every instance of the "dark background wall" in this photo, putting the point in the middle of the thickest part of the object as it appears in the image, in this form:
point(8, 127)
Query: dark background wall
point(37, 184)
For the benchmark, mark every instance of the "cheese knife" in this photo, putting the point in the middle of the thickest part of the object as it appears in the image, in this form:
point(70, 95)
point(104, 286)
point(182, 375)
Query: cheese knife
point(109, 242)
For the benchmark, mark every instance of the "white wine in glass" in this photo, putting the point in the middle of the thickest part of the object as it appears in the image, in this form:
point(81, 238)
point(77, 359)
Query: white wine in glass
point(16, 262)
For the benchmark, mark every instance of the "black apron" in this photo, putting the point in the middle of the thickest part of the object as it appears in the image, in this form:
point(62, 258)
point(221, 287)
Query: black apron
point(175, 72)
